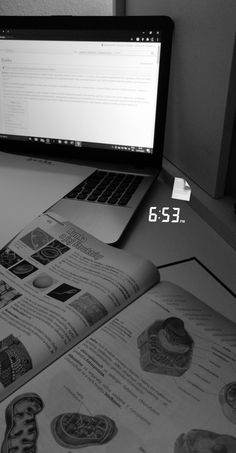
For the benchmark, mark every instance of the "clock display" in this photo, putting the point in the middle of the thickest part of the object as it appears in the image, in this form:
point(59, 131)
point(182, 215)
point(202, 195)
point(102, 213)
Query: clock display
point(165, 215)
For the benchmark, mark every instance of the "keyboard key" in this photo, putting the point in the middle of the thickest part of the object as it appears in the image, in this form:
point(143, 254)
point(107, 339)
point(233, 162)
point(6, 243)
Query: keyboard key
point(124, 200)
point(72, 194)
point(92, 198)
point(113, 200)
point(86, 191)
point(81, 196)
point(96, 192)
point(102, 199)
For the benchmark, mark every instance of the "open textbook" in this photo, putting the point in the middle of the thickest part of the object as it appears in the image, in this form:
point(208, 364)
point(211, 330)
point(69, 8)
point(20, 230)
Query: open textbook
point(154, 375)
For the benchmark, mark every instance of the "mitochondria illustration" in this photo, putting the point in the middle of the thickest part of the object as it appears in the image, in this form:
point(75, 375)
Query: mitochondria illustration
point(21, 426)
point(76, 430)
point(227, 398)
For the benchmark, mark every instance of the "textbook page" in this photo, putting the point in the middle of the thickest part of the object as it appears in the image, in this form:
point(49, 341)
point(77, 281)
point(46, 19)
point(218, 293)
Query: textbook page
point(57, 284)
point(158, 377)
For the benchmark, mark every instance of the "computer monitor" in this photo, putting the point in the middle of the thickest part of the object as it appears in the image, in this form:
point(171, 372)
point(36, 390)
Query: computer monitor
point(84, 86)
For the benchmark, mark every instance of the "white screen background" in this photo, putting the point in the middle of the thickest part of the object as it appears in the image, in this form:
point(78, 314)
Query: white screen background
point(99, 92)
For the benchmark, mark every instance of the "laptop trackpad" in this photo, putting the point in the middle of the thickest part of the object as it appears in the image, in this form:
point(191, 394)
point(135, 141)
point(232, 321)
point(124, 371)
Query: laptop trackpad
point(102, 221)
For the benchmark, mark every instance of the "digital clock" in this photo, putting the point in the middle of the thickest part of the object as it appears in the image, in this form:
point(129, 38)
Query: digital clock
point(165, 215)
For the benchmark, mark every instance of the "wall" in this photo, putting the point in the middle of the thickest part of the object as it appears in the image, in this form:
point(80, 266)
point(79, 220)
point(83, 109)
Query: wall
point(63, 7)
point(200, 73)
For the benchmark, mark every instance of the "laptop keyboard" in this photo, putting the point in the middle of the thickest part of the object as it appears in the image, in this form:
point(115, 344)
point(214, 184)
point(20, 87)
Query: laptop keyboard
point(106, 187)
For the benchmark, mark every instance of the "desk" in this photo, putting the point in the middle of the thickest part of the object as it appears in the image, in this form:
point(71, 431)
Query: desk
point(163, 243)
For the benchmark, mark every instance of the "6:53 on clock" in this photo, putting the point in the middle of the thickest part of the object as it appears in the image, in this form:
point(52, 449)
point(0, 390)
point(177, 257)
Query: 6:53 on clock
point(165, 215)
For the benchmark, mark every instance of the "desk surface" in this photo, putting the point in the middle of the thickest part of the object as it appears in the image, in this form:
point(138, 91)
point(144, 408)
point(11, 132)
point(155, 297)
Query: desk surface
point(163, 243)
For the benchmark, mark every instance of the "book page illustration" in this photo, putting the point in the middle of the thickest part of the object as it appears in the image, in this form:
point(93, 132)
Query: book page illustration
point(202, 441)
point(21, 426)
point(227, 399)
point(77, 430)
point(166, 347)
point(15, 360)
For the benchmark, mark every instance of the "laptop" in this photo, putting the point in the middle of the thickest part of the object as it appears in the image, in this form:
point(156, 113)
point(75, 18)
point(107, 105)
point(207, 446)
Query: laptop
point(93, 91)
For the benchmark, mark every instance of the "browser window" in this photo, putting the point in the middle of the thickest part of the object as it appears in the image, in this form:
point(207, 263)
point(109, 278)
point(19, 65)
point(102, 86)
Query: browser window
point(80, 92)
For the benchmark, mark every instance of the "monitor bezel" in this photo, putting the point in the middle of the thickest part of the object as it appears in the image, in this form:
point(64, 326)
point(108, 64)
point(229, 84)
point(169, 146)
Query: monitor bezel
point(164, 24)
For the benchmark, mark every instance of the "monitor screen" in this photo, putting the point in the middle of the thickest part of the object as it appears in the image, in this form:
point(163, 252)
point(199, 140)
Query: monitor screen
point(84, 88)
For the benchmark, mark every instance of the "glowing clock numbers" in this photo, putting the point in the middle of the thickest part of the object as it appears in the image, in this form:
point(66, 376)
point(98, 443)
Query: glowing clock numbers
point(165, 215)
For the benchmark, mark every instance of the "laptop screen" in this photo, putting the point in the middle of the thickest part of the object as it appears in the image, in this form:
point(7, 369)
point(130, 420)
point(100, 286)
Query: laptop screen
point(80, 88)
